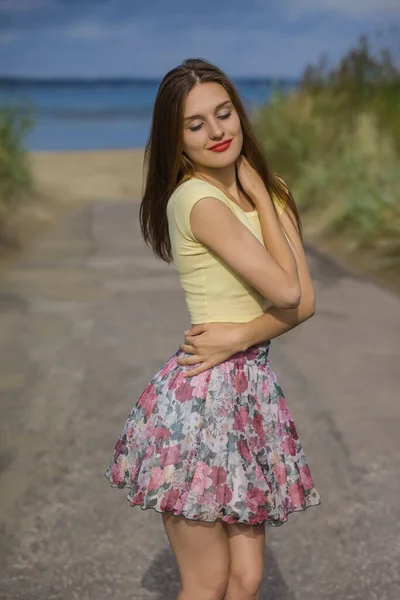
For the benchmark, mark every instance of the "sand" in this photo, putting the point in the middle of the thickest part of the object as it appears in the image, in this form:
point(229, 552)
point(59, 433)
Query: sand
point(94, 175)
point(63, 180)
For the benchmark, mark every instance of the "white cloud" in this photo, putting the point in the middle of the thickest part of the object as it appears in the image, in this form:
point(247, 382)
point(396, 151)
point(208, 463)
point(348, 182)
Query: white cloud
point(89, 31)
point(21, 5)
point(6, 37)
point(98, 31)
point(346, 8)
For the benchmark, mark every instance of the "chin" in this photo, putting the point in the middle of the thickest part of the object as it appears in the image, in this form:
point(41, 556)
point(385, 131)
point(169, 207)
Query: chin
point(220, 164)
point(222, 159)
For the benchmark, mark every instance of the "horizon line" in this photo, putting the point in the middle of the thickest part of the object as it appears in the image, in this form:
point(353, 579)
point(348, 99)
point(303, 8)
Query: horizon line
point(107, 78)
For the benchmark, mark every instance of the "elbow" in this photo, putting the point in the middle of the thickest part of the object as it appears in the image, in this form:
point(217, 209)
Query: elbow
point(309, 307)
point(292, 302)
point(291, 298)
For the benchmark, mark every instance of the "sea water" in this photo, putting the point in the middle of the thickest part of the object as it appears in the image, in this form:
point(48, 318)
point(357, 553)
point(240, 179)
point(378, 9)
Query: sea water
point(102, 114)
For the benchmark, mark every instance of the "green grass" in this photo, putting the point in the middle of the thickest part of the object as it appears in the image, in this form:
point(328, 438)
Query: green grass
point(15, 176)
point(336, 140)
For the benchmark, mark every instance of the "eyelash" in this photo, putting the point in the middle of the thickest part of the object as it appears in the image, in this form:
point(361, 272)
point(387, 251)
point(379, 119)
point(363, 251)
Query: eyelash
point(220, 117)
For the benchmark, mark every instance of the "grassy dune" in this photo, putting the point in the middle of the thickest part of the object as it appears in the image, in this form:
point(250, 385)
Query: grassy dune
point(16, 182)
point(336, 141)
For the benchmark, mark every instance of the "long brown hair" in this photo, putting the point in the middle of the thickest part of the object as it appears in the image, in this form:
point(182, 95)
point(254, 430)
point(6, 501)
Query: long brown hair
point(165, 164)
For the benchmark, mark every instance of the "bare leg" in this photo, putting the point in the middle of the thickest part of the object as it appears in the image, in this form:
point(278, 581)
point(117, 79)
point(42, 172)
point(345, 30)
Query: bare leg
point(202, 553)
point(246, 544)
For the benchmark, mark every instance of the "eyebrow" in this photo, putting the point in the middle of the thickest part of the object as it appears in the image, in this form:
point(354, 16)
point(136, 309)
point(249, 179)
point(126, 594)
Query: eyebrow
point(201, 116)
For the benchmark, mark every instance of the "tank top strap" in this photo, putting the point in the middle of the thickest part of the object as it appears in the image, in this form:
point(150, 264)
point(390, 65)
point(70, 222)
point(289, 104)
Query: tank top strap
point(231, 204)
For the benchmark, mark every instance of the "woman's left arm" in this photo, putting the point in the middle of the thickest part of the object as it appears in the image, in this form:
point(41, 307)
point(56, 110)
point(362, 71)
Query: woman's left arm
point(212, 343)
point(279, 320)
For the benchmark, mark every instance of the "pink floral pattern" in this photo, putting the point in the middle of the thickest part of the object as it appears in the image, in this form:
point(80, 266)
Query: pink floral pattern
point(219, 445)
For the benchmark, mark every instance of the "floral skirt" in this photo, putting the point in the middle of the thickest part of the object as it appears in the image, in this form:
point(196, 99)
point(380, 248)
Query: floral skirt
point(218, 445)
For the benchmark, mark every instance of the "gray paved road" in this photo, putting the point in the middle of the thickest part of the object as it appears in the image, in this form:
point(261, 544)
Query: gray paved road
point(86, 319)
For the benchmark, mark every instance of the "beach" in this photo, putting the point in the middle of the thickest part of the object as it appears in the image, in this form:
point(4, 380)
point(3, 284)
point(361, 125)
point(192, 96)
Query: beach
point(62, 180)
point(90, 175)
point(90, 314)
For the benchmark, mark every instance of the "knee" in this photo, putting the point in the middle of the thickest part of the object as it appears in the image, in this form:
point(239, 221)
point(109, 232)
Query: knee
point(206, 590)
point(247, 581)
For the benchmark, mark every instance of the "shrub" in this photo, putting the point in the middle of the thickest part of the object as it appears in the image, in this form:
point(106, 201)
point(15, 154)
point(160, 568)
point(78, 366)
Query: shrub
point(336, 140)
point(15, 176)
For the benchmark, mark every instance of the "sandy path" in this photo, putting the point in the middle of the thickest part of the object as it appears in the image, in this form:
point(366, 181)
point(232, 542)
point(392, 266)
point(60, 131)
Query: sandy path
point(87, 317)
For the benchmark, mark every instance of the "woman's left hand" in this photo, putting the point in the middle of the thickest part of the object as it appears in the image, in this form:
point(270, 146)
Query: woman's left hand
point(210, 344)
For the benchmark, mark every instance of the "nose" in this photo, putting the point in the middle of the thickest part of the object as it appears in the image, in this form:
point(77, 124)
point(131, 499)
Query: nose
point(216, 130)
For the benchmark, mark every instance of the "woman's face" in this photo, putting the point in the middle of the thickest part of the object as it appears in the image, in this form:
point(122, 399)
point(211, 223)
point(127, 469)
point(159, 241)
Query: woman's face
point(210, 117)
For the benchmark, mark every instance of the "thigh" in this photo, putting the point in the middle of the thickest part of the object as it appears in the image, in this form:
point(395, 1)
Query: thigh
point(246, 547)
point(200, 548)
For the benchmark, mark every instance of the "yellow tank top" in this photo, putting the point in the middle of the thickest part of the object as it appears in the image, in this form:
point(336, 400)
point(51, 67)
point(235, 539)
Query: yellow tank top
point(213, 291)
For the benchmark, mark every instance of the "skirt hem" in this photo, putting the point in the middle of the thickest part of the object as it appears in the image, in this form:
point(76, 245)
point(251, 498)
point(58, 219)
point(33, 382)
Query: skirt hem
point(225, 518)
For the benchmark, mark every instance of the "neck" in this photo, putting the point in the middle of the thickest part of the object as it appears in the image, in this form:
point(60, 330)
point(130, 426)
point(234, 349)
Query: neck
point(224, 177)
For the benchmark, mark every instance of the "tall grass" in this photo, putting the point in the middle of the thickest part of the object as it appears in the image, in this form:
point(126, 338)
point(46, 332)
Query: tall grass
point(15, 175)
point(336, 139)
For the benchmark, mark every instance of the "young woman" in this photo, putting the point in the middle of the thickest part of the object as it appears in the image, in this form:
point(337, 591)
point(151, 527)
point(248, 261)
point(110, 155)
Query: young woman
point(211, 442)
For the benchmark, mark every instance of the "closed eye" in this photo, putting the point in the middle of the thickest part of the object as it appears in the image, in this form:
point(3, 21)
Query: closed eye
point(197, 127)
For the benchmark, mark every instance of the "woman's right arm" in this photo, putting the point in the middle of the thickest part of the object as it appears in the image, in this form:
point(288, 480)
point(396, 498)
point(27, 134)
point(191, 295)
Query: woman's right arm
point(272, 271)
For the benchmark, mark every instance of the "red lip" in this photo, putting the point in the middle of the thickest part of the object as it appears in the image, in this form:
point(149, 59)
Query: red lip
point(221, 146)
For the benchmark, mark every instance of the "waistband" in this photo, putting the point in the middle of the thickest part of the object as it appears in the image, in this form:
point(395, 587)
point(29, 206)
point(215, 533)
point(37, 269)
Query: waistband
point(257, 354)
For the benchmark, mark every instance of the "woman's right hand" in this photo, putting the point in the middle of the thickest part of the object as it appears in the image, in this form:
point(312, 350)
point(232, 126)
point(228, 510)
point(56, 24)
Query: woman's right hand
point(251, 181)
point(211, 344)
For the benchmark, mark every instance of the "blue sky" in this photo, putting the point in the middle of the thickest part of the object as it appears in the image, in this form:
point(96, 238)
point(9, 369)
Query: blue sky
point(146, 38)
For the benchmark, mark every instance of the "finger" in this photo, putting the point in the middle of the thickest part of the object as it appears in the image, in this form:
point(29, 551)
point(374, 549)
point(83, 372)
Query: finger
point(196, 330)
point(197, 370)
point(191, 340)
point(187, 348)
point(189, 360)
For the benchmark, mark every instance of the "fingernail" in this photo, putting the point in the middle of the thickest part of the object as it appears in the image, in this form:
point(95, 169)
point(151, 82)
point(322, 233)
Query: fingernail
point(187, 331)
